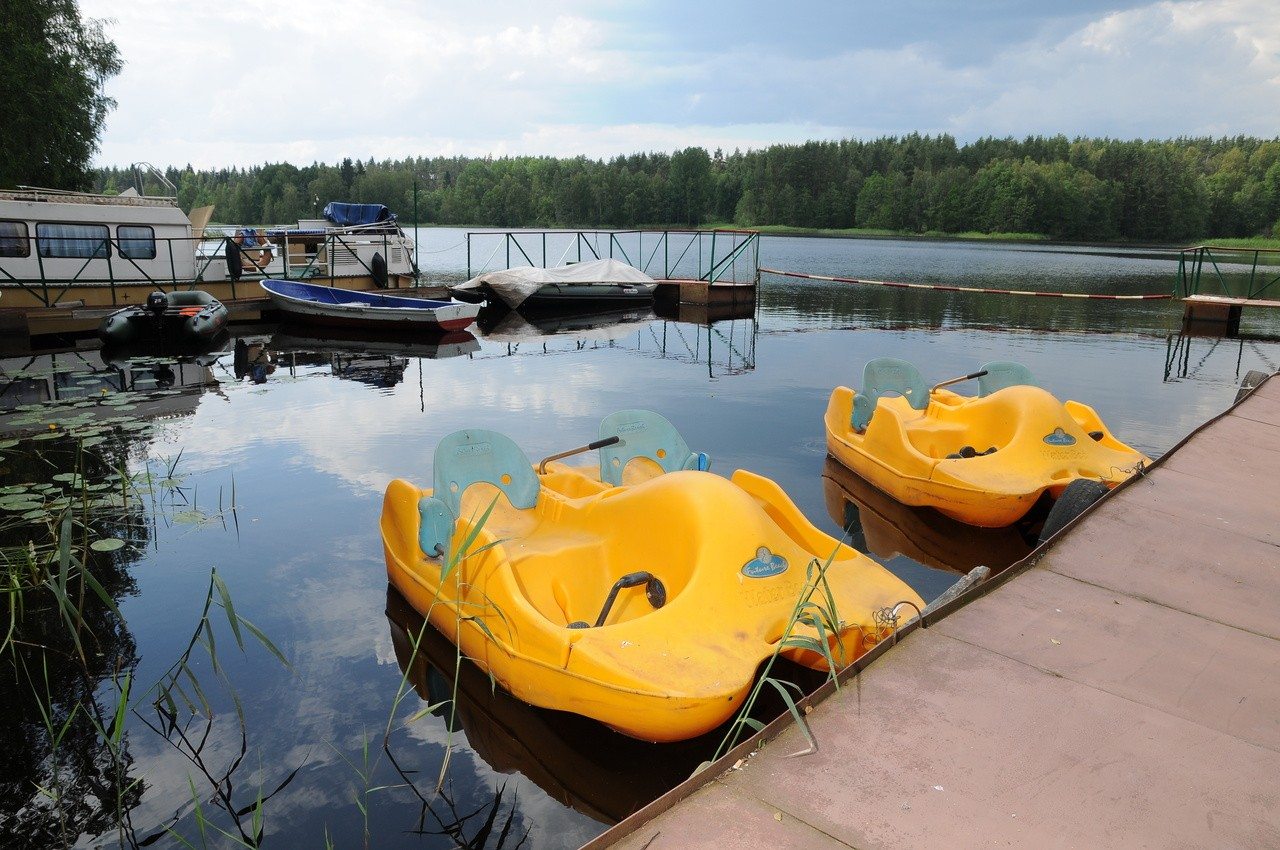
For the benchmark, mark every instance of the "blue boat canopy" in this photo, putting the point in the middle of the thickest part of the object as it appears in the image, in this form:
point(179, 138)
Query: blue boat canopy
point(348, 215)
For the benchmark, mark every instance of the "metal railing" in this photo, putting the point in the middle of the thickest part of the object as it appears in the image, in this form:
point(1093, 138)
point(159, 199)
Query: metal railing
point(123, 267)
point(708, 255)
point(1202, 267)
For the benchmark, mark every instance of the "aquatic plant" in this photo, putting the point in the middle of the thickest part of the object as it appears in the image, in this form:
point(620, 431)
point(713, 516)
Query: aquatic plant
point(66, 649)
point(815, 608)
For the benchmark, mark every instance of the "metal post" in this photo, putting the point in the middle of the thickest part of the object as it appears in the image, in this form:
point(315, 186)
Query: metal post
point(111, 275)
point(469, 275)
point(416, 222)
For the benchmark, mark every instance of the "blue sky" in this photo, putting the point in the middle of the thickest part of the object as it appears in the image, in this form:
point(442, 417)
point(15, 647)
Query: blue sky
point(252, 82)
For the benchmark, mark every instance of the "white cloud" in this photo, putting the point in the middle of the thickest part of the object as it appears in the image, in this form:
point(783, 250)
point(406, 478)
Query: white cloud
point(242, 84)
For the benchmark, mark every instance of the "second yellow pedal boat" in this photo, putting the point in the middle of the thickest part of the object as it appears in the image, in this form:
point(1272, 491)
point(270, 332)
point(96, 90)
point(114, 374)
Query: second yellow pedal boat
point(984, 460)
point(644, 592)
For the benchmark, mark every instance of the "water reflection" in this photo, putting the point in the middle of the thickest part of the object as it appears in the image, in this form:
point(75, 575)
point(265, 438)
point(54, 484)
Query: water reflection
point(880, 525)
point(503, 325)
point(360, 342)
point(576, 761)
point(1189, 350)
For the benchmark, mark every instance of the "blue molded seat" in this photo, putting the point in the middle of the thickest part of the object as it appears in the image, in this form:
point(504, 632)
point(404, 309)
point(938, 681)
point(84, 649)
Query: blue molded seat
point(644, 433)
point(470, 457)
point(1004, 373)
point(888, 375)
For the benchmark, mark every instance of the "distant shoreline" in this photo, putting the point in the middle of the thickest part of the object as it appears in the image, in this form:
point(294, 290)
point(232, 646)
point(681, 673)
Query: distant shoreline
point(1263, 243)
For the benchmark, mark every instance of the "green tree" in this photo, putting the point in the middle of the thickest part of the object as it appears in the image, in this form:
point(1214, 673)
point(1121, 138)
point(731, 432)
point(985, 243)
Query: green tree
point(52, 68)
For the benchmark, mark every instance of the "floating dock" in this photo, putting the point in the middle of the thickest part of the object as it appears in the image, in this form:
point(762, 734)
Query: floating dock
point(1119, 687)
point(1215, 288)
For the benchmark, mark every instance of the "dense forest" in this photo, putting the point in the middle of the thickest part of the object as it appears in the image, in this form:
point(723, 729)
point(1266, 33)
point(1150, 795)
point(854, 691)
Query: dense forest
point(1086, 189)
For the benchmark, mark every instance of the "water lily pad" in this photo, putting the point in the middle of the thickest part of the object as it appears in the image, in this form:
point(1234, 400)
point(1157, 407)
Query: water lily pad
point(13, 490)
point(47, 435)
point(109, 544)
point(189, 517)
point(7, 444)
point(92, 441)
point(72, 478)
point(20, 506)
point(39, 513)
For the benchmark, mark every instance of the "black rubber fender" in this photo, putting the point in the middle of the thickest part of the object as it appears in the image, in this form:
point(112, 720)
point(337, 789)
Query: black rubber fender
point(1252, 378)
point(1075, 499)
point(235, 265)
point(378, 268)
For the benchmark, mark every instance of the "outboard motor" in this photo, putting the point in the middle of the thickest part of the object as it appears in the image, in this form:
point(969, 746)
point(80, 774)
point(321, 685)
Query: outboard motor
point(157, 304)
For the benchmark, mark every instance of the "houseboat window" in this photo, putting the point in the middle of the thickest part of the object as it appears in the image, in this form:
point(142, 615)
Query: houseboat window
point(137, 242)
point(73, 240)
point(13, 239)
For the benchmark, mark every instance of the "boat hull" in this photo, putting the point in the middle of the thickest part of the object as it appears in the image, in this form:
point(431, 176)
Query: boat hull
point(319, 305)
point(191, 316)
point(734, 561)
point(565, 298)
point(911, 455)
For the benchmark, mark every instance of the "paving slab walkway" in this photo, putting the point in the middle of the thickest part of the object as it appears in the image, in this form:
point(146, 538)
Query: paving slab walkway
point(1123, 691)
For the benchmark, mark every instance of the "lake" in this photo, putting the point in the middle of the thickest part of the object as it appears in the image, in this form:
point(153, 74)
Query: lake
point(278, 486)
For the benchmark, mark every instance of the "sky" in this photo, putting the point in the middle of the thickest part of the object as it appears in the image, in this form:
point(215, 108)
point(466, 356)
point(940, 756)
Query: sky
point(237, 84)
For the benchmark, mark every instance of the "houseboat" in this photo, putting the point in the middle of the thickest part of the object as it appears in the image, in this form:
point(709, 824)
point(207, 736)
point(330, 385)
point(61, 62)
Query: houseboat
point(84, 253)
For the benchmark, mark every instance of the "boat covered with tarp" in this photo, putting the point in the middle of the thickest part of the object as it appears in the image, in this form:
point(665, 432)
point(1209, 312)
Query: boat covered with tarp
point(595, 284)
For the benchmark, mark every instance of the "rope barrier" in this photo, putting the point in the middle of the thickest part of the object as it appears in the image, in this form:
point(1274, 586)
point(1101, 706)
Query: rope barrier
point(938, 287)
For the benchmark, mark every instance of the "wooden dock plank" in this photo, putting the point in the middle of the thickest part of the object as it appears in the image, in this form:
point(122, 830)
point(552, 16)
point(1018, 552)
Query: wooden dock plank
point(1231, 301)
point(1122, 691)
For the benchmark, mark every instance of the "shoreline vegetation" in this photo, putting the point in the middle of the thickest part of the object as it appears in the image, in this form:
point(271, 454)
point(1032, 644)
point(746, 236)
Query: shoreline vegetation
point(1250, 243)
point(1086, 190)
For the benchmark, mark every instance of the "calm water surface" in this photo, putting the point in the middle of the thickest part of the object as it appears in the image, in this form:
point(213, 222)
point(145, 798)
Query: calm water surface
point(308, 452)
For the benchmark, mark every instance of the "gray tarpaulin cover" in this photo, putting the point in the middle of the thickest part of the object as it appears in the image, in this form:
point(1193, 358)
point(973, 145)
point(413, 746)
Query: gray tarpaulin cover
point(517, 284)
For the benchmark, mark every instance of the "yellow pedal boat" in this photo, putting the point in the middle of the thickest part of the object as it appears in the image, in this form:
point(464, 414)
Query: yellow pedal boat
point(644, 593)
point(984, 460)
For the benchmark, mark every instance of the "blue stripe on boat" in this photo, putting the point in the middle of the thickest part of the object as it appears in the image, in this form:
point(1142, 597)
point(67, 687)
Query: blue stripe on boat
point(333, 295)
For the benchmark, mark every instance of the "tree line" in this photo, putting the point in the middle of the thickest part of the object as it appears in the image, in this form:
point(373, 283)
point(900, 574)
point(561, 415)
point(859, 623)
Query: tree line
point(1087, 189)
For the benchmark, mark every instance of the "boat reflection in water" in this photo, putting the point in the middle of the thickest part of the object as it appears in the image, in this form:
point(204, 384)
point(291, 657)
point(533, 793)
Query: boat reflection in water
point(161, 385)
point(357, 342)
point(512, 326)
point(882, 526)
point(577, 761)
point(374, 357)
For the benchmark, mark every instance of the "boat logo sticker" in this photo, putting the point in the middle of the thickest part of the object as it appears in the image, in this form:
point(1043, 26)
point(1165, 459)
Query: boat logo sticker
point(473, 449)
point(764, 564)
point(1060, 438)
